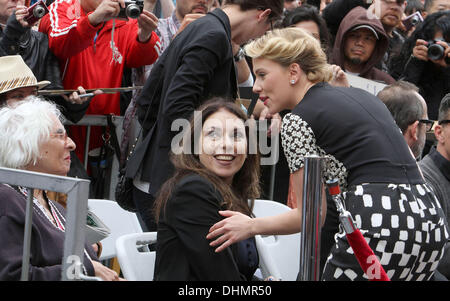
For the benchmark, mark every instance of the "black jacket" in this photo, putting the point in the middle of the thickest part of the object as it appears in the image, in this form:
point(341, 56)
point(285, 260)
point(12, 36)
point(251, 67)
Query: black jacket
point(433, 82)
point(32, 46)
point(197, 65)
point(183, 252)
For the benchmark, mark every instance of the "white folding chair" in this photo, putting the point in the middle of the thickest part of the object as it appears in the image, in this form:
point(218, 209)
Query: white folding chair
point(118, 220)
point(279, 255)
point(136, 262)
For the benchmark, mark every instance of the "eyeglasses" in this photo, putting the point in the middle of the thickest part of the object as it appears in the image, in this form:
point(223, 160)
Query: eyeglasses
point(428, 123)
point(444, 121)
point(60, 135)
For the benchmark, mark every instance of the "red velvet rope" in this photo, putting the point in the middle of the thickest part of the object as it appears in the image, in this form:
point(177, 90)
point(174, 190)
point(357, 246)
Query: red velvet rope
point(366, 258)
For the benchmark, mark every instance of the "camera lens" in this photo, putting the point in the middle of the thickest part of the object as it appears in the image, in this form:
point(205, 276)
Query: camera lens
point(133, 11)
point(415, 20)
point(435, 52)
point(39, 11)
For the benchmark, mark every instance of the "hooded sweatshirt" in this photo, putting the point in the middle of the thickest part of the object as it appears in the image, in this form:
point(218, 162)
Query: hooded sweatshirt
point(356, 17)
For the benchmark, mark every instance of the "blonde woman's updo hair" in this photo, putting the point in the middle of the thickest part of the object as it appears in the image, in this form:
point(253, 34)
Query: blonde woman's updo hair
point(293, 45)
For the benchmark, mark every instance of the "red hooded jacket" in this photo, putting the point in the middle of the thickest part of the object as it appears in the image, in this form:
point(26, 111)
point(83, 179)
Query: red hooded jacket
point(87, 59)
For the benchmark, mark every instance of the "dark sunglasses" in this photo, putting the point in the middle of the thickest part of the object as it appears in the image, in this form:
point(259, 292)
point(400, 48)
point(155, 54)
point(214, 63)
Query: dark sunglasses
point(428, 123)
point(444, 121)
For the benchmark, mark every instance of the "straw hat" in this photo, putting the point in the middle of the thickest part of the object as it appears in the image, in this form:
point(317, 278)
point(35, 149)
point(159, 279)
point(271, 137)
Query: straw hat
point(14, 74)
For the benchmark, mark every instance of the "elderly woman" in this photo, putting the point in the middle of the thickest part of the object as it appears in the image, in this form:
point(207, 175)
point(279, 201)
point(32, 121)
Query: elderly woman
point(32, 138)
point(384, 190)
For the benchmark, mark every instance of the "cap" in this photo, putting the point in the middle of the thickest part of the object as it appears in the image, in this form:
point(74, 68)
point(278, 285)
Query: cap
point(368, 27)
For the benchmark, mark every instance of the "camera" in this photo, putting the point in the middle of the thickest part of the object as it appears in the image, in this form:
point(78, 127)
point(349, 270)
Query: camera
point(132, 9)
point(35, 12)
point(436, 51)
point(412, 20)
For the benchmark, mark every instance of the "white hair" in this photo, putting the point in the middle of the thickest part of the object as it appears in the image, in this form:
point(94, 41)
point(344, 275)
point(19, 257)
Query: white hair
point(24, 126)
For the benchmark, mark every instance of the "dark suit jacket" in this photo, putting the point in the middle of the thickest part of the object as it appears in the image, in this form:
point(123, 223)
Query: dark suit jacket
point(197, 65)
point(183, 252)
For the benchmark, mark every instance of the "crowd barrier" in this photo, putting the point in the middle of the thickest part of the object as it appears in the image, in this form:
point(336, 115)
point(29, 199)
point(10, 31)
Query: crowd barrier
point(77, 191)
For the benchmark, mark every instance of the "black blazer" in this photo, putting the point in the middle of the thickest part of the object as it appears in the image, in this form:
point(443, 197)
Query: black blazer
point(197, 65)
point(183, 252)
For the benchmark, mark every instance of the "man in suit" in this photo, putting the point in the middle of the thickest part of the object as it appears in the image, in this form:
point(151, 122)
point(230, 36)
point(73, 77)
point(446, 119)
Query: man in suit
point(198, 64)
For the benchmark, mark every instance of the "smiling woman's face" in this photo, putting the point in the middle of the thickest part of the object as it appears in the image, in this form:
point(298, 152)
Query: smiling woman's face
point(224, 144)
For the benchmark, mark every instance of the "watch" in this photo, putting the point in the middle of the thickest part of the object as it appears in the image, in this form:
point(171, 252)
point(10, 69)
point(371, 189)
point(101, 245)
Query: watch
point(239, 55)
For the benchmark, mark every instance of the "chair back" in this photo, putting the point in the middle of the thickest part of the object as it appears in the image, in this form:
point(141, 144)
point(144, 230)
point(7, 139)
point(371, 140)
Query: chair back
point(279, 255)
point(136, 261)
point(118, 220)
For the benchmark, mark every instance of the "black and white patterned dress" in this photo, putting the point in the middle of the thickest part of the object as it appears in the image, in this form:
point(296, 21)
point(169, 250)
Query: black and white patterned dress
point(395, 210)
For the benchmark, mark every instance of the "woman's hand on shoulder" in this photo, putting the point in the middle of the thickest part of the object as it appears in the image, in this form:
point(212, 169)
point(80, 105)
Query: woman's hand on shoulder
point(234, 228)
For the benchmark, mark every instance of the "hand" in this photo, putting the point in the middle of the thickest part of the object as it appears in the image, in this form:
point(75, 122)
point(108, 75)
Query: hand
point(442, 61)
point(21, 12)
point(75, 98)
point(420, 51)
point(104, 273)
point(147, 23)
point(107, 10)
point(275, 123)
point(235, 227)
point(187, 20)
point(339, 78)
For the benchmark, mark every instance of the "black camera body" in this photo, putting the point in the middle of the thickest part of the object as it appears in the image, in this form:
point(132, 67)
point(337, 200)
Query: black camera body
point(132, 9)
point(35, 12)
point(412, 20)
point(436, 51)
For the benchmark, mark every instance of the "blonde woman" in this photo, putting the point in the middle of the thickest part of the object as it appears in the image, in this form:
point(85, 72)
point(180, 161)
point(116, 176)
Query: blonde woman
point(384, 190)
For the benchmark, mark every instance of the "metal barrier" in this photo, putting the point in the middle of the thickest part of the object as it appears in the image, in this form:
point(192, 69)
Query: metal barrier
point(101, 120)
point(77, 191)
point(311, 219)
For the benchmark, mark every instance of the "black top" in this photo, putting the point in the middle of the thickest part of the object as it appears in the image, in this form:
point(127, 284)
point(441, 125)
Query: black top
point(356, 129)
point(183, 252)
point(47, 241)
point(197, 65)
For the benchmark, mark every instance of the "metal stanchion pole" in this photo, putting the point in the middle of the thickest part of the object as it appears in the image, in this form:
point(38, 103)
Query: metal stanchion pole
point(311, 219)
point(27, 236)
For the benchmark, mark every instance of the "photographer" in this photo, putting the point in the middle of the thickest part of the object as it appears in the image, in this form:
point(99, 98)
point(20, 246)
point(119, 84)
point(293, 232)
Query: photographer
point(414, 65)
point(17, 38)
point(94, 48)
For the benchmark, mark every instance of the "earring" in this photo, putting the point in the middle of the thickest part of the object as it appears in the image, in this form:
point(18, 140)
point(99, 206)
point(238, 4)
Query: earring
point(292, 81)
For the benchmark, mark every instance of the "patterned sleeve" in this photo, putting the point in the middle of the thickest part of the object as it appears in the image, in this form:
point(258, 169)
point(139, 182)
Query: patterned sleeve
point(298, 141)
